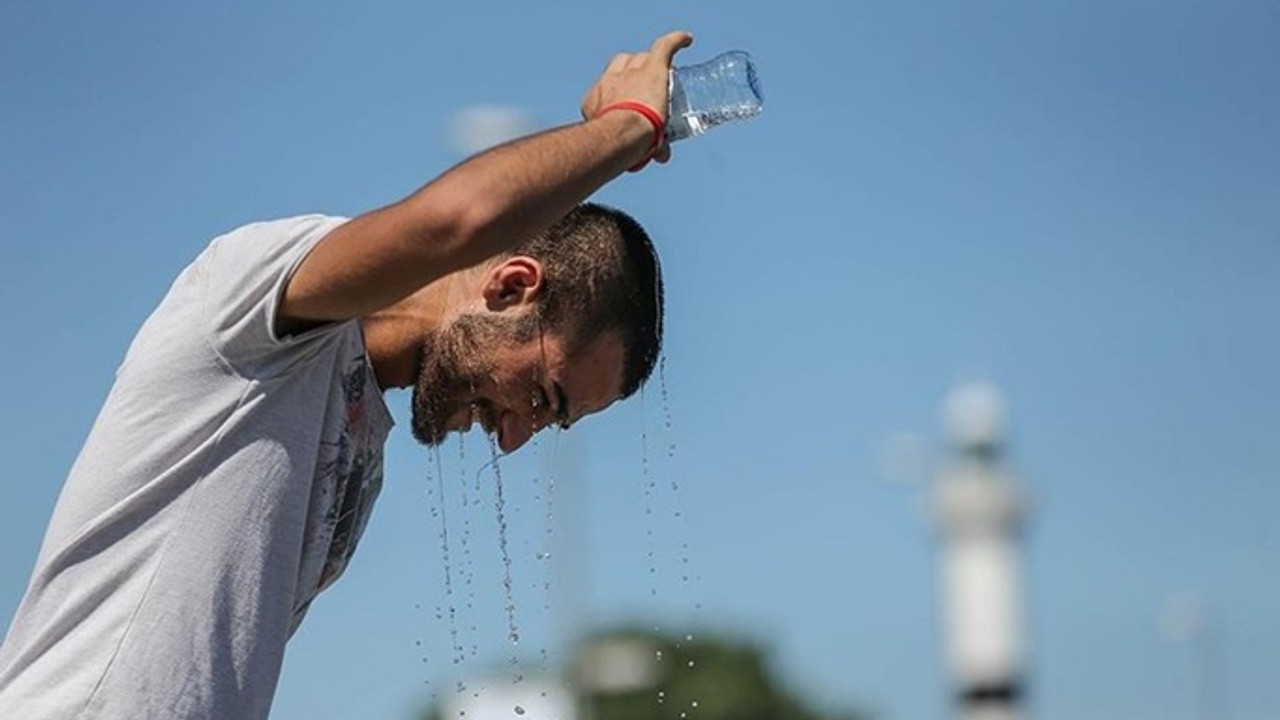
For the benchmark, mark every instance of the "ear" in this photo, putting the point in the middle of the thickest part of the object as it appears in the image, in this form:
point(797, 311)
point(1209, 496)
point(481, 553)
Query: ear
point(512, 282)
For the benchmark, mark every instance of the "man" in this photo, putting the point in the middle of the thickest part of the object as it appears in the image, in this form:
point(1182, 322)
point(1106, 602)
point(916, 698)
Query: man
point(234, 464)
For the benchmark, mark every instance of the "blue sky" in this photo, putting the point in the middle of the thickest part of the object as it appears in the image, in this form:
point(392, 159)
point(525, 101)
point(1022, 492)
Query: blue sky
point(1079, 201)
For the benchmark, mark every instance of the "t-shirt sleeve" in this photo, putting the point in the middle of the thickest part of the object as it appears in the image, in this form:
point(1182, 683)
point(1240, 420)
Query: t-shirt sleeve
point(244, 275)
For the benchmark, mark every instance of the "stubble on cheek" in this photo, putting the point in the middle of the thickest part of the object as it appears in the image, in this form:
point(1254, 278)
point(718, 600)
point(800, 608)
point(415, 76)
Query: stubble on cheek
point(452, 366)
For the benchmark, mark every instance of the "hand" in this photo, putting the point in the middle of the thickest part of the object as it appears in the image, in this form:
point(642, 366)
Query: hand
point(643, 77)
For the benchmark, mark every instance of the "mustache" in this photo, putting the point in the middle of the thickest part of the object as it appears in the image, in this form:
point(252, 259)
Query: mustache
point(434, 412)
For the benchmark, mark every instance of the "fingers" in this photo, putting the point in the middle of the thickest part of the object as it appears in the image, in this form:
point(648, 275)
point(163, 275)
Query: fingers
point(618, 62)
point(641, 77)
point(665, 47)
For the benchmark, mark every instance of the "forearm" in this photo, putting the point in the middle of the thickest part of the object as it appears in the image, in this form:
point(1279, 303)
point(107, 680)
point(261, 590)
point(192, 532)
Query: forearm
point(517, 190)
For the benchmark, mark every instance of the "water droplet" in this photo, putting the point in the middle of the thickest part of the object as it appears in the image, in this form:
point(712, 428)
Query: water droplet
point(688, 638)
point(519, 710)
point(693, 704)
point(690, 663)
point(444, 549)
point(500, 506)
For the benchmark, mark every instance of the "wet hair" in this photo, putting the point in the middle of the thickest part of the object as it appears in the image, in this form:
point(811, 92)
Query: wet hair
point(602, 276)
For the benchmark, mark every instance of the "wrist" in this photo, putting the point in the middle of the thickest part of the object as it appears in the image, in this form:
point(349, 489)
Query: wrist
point(643, 125)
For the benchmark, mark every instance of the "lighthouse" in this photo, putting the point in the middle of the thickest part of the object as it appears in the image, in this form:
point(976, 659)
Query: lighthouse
point(980, 515)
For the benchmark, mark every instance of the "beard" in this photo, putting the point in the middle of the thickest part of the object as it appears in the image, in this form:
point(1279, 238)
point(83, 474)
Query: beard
point(454, 362)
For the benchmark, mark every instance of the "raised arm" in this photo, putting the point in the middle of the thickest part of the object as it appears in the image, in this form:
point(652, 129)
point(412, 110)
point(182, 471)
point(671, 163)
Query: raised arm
point(486, 205)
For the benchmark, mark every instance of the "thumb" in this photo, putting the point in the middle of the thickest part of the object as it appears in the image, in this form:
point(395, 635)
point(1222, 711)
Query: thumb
point(666, 47)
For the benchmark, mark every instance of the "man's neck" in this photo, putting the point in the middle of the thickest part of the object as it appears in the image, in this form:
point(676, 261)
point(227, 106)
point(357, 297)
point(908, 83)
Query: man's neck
point(389, 341)
point(394, 336)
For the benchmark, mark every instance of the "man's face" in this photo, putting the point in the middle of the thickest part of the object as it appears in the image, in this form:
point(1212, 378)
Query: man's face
point(512, 379)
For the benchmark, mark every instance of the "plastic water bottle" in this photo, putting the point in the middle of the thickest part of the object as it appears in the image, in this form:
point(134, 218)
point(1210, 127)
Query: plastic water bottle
point(711, 93)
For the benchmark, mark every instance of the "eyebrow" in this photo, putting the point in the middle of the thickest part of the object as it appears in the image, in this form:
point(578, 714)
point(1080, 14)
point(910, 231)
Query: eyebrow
point(562, 405)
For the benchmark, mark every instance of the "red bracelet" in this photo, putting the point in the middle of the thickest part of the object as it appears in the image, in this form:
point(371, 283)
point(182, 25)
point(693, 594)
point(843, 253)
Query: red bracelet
point(649, 114)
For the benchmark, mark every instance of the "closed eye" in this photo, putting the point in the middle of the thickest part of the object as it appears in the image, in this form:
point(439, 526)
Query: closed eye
point(542, 404)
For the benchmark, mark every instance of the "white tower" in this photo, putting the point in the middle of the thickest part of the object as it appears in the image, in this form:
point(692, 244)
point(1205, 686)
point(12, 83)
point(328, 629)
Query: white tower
point(980, 513)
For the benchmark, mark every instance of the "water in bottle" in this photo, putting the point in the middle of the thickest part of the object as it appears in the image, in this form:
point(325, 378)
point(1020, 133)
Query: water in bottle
point(714, 92)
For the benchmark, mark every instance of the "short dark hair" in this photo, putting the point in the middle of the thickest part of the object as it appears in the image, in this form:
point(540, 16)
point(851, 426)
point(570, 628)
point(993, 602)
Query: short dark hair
point(601, 275)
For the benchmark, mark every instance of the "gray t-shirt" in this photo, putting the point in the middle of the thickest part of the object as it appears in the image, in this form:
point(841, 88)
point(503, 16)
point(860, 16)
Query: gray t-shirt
point(223, 486)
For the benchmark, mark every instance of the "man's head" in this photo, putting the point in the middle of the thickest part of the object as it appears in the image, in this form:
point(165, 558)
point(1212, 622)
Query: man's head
point(571, 322)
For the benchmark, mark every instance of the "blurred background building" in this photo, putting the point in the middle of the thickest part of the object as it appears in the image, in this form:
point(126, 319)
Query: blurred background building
point(980, 514)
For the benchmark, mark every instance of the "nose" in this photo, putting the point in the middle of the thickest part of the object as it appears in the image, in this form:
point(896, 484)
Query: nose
point(515, 430)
